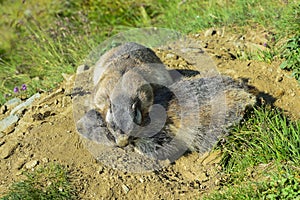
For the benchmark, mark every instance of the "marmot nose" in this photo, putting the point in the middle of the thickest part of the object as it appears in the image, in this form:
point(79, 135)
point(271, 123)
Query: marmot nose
point(121, 138)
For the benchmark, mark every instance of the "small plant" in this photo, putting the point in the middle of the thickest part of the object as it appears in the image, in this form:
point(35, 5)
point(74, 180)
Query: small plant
point(266, 136)
point(282, 183)
point(46, 183)
point(271, 51)
point(266, 139)
point(20, 91)
point(285, 186)
point(267, 55)
point(291, 54)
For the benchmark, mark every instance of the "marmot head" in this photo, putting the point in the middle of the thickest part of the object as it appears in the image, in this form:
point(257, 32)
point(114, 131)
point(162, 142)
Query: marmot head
point(130, 101)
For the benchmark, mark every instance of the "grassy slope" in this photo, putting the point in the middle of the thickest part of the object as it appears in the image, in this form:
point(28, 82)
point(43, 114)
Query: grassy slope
point(40, 40)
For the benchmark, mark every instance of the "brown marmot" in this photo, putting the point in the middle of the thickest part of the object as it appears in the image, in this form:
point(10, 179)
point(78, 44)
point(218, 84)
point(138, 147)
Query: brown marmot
point(137, 104)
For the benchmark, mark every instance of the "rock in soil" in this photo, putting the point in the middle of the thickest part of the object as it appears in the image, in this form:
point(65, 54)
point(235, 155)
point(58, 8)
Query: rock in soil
point(7, 149)
point(31, 164)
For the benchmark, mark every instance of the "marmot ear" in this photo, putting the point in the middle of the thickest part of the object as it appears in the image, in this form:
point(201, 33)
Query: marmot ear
point(145, 93)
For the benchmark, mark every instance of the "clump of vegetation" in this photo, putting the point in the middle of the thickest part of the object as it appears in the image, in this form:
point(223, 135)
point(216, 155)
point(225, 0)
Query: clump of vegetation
point(291, 54)
point(280, 184)
point(46, 183)
point(283, 186)
point(265, 138)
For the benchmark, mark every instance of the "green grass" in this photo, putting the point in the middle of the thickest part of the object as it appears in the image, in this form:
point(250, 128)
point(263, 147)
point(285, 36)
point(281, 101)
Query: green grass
point(291, 54)
point(266, 138)
point(281, 183)
point(267, 135)
point(40, 40)
point(48, 49)
point(47, 182)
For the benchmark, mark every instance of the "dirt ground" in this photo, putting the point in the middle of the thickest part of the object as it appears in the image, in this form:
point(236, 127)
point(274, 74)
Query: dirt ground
point(47, 132)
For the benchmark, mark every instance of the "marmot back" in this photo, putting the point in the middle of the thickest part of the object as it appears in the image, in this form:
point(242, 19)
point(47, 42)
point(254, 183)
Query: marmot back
point(199, 112)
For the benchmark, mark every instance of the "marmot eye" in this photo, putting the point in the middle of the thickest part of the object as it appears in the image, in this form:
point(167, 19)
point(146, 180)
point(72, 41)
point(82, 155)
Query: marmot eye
point(138, 116)
point(137, 113)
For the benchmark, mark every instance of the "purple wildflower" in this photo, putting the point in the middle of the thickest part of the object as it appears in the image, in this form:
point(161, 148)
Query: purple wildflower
point(24, 87)
point(16, 89)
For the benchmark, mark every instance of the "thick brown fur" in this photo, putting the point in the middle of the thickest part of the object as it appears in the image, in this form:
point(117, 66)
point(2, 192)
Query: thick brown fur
point(198, 110)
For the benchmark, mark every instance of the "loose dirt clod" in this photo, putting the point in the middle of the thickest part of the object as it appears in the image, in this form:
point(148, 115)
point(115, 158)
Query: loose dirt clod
point(8, 148)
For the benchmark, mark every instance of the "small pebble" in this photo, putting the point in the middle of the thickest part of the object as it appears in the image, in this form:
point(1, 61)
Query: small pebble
point(3, 109)
point(9, 129)
point(279, 78)
point(19, 109)
point(45, 160)
point(8, 149)
point(141, 180)
point(18, 173)
point(12, 103)
point(31, 164)
point(8, 122)
point(101, 169)
point(125, 188)
point(217, 182)
point(210, 32)
point(171, 56)
point(82, 68)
